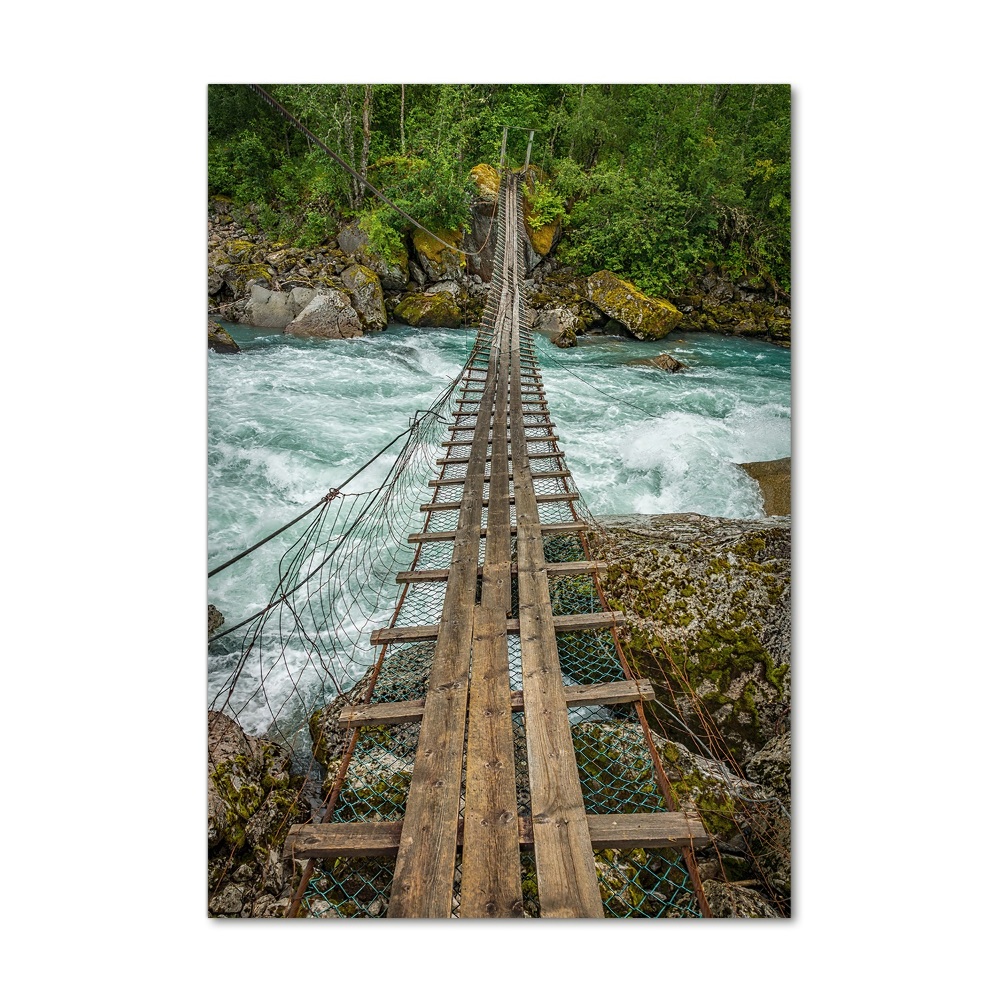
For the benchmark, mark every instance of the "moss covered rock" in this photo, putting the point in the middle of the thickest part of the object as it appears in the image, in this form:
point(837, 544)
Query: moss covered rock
point(435, 259)
point(253, 798)
point(487, 181)
point(220, 341)
point(708, 617)
point(645, 317)
point(363, 286)
point(437, 309)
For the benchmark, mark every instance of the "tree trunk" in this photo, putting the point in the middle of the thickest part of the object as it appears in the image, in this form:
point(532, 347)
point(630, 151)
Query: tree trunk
point(402, 106)
point(349, 146)
point(366, 132)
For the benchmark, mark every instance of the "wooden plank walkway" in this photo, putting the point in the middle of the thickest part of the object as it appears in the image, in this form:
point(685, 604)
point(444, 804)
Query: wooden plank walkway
point(459, 848)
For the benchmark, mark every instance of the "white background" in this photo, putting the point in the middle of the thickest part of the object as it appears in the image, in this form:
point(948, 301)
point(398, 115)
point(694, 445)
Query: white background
point(895, 361)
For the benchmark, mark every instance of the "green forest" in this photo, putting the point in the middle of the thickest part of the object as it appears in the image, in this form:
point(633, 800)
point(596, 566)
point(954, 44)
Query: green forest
point(653, 182)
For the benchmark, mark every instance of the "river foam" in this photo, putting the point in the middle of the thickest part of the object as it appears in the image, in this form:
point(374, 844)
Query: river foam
point(288, 418)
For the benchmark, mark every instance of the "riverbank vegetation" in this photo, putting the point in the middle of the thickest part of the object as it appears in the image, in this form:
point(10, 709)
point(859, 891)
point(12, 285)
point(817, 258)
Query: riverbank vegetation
point(653, 182)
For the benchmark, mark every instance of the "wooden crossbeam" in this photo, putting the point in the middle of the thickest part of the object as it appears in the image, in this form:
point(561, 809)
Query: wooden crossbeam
point(556, 528)
point(553, 569)
point(561, 623)
point(465, 444)
point(468, 427)
point(544, 498)
point(394, 713)
point(535, 474)
point(624, 831)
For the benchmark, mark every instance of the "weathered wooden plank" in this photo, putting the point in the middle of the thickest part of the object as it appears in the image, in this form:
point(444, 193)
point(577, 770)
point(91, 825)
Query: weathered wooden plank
point(465, 444)
point(392, 713)
point(383, 713)
point(466, 427)
point(560, 623)
point(344, 840)
point(545, 498)
point(423, 879)
point(567, 877)
point(535, 474)
point(555, 528)
point(553, 569)
point(491, 863)
point(625, 831)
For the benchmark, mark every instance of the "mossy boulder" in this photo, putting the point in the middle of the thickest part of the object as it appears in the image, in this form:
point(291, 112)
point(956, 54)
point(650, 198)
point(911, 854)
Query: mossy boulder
point(437, 261)
point(645, 317)
point(253, 798)
point(487, 181)
point(220, 341)
point(424, 309)
point(708, 617)
point(363, 286)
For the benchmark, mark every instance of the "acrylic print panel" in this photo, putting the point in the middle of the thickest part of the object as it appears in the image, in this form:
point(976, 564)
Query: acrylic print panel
point(499, 424)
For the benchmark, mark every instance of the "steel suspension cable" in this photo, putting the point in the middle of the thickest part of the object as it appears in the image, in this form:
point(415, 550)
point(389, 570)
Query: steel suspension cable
point(334, 492)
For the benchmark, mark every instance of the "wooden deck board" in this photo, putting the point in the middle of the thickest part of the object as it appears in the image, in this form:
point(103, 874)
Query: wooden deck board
point(553, 569)
point(491, 865)
point(389, 713)
point(423, 880)
point(560, 623)
point(625, 831)
point(564, 857)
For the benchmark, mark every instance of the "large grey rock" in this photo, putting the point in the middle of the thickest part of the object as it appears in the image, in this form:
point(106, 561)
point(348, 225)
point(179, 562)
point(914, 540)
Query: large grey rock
point(351, 239)
point(560, 319)
point(329, 314)
point(268, 308)
point(662, 361)
point(299, 298)
point(363, 286)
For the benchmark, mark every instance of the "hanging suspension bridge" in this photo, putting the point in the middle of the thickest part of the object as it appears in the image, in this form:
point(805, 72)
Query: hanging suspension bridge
point(495, 760)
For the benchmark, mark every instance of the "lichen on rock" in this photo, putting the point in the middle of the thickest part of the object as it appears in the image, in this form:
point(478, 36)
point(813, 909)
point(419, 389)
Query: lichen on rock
point(221, 341)
point(363, 286)
point(253, 798)
point(330, 314)
point(424, 309)
point(436, 260)
point(645, 317)
point(707, 609)
point(487, 181)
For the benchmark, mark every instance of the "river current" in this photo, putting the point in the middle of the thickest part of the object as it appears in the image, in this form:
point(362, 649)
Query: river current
point(288, 418)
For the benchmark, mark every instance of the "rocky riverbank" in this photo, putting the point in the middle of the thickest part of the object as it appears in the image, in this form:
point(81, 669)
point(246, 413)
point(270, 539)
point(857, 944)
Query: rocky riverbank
point(343, 288)
point(707, 606)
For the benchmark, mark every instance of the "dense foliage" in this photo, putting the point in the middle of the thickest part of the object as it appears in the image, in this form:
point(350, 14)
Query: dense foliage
point(649, 181)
